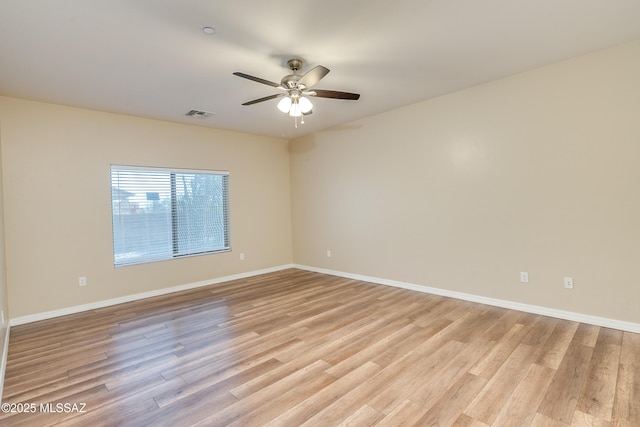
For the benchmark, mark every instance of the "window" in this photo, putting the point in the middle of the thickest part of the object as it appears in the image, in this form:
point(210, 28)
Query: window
point(160, 214)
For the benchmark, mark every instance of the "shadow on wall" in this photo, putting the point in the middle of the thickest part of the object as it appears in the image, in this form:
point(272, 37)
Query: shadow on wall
point(302, 145)
point(307, 143)
point(340, 128)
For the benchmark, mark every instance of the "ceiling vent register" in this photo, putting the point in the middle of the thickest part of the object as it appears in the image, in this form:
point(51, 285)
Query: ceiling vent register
point(199, 114)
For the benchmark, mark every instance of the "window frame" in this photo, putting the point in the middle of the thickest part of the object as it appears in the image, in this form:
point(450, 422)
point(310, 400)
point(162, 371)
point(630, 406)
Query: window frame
point(173, 212)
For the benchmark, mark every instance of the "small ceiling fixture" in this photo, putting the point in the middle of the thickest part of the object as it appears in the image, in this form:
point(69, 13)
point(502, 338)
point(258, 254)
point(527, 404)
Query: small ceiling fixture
point(209, 30)
point(295, 101)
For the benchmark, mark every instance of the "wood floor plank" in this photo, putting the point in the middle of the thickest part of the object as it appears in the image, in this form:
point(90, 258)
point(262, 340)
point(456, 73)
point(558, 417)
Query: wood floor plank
point(493, 397)
point(341, 409)
point(278, 402)
point(630, 351)
point(588, 334)
point(404, 414)
point(496, 356)
point(216, 379)
point(397, 351)
point(503, 325)
point(277, 397)
point(540, 331)
point(450, 372)
point(626, 409)
point(564, 392)
point(229, 364)
point(295, 347)
point(581, 419)
point(363, 338)
point(371, 346)
point(540, 420)
point(312, 405)
point(365, 416)
point(403, 382)
point(453, 402)
point(553, 350)
point(466, 421)
point(128, 403)
point(597, 396)
point(520, 408)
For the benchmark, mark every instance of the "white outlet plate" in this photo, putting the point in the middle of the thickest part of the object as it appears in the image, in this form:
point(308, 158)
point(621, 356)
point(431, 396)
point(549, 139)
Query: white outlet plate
point(82, 281)
point(241, 257)
point(568, 282)
point(524, 277)
point(328, 253)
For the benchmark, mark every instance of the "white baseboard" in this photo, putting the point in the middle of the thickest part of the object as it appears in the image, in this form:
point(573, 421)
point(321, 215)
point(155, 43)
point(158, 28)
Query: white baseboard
point(545, 311)
point(128, 298)
point(3, 361)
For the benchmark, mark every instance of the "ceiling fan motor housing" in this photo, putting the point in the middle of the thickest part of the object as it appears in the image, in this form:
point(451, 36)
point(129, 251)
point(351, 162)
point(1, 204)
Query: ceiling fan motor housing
point(291, 81)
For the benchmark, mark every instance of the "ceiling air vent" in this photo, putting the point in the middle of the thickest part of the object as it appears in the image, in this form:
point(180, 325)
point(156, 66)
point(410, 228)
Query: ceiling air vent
point(199, 114)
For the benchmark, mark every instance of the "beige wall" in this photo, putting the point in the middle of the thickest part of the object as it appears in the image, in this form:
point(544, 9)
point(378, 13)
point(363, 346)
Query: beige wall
point(4, 312)
point(58, 204)
point(539, 172)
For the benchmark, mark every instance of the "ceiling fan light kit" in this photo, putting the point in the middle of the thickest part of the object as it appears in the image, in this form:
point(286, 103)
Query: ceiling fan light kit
point(295, 105)
point(295, 87)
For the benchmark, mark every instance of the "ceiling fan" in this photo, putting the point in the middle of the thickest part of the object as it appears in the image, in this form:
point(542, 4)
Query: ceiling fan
point(296, 88)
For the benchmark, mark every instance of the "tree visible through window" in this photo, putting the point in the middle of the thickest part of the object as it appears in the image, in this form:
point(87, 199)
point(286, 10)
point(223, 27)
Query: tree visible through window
point(161, 214)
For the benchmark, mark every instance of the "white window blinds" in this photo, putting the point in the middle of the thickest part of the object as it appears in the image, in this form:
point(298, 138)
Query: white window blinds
point(160, 214)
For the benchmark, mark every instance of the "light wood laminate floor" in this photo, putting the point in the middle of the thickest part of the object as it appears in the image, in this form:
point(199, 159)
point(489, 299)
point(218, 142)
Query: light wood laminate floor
point(299, 348)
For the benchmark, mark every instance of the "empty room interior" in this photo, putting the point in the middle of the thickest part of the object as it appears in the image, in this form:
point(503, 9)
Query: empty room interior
point(320, 213)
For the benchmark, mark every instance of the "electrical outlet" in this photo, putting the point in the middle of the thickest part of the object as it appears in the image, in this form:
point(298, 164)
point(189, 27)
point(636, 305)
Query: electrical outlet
point(82, 281)
point(524, 277)
point(568, 282)
point(242, 257)
point(328, 253)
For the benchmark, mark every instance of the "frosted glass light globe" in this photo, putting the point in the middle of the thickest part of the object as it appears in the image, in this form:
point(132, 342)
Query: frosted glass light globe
point(305, 105)
point(284, 105)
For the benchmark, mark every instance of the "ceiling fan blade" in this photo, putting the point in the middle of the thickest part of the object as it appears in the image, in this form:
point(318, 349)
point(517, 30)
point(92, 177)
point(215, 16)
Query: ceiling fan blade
point(313, 76)
point(334, 94)
point(256, 79)
point(266, 98)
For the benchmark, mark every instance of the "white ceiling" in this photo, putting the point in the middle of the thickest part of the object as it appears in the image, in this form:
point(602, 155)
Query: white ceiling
point(151, 58)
